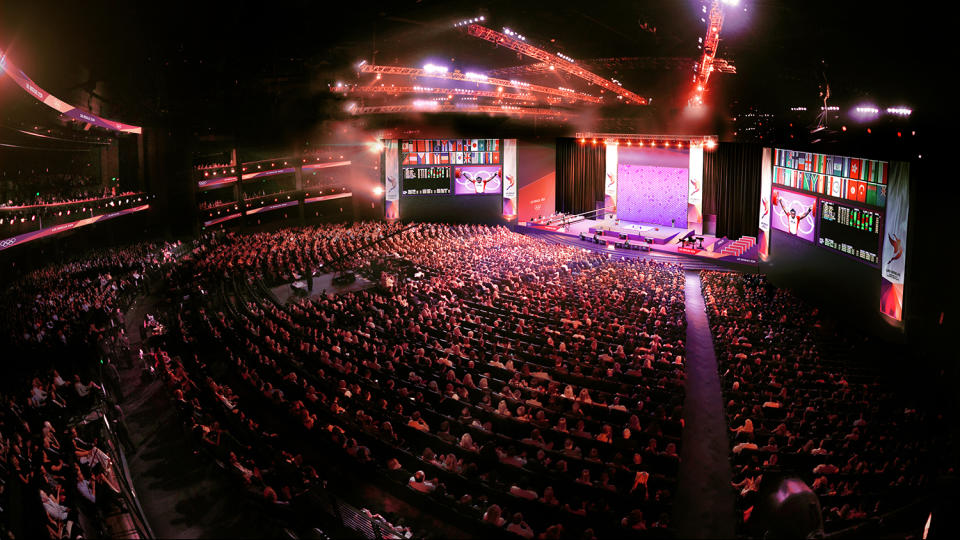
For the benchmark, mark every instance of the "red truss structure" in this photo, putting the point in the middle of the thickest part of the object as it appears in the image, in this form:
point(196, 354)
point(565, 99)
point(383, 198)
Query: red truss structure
point(562, 64)
point(652, 63)
point(457, 76)
point(444, 108)
point(452, 92)
point(709, 62)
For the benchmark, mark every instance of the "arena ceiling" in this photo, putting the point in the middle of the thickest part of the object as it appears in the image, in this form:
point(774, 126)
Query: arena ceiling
point(232, 66)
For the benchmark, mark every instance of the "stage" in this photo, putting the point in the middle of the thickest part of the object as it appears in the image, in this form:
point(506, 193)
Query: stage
point(658, 238)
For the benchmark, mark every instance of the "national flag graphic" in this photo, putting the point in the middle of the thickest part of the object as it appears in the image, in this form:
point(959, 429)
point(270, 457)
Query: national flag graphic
point(861, 192)
point(851, 190)
point(855, 168)
point(871, 194)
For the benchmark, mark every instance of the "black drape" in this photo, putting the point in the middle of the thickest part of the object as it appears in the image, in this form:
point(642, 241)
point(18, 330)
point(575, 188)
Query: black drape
point(580, 171)
point(731, 188)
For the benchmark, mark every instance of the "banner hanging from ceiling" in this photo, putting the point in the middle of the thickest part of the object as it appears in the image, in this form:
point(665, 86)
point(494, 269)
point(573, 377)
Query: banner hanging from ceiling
point(391, 178)
point(64, 108)
point(893, 267)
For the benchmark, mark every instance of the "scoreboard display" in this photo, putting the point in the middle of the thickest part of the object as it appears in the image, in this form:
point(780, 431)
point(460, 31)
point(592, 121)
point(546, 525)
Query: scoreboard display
point(426, 181)
point(450, 167)
point(850, 230)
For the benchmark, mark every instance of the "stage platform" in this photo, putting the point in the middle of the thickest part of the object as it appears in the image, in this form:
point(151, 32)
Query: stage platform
point(660, 238)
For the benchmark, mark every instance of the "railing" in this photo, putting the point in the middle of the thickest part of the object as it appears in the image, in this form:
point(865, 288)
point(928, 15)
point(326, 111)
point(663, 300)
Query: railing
point(132, 502)
point(570, 218)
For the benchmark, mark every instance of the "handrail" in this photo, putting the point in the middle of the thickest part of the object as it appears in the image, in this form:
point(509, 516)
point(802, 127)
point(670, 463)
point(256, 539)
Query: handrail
point(126, 482)
point(567, 217)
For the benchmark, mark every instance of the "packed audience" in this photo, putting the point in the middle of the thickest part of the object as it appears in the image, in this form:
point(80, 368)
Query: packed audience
point(77, 303)
point(54, 464)
point(36, 188)
point(64, 331)
point(207, 205)
point(801, 402)
point(519, 386)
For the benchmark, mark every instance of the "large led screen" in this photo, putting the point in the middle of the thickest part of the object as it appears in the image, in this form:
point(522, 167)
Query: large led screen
point(793, 213)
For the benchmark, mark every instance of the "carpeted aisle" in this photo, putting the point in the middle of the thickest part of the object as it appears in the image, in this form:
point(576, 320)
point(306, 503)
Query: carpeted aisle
point(705, 501)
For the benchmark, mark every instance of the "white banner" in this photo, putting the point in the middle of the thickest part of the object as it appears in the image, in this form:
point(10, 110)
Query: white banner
point(391, 178)
point(510, 178)
point(894, 263)
point(695, 189)
point(766, 183)
point(610, 184)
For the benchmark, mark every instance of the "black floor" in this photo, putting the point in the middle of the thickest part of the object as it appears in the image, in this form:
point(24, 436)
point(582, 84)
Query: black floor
point(705, 500)
point(182, 495)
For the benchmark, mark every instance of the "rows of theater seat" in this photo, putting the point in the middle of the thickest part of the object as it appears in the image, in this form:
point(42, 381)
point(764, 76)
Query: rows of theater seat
point(512, 385)
point(59, 466)
point(802, 401)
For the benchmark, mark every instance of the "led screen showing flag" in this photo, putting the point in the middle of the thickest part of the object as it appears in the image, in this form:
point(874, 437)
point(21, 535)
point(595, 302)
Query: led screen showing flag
point(894, 255)
point(853, 179)
point(510, 178)
point(766, 180)
point(610, 182)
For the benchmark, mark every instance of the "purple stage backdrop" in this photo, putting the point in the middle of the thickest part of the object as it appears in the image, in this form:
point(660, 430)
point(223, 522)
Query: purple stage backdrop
point(477, 180)
point(803, 223)
point(652, 194)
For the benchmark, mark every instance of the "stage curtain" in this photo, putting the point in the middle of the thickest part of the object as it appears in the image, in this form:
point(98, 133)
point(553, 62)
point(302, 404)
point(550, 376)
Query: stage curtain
point(580, 172)
point(731, 188)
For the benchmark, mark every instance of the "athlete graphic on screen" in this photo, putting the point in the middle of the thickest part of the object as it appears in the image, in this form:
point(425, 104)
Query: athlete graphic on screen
point(611, 180)
point(793, 220)
point(478, 181)
point(391, 184)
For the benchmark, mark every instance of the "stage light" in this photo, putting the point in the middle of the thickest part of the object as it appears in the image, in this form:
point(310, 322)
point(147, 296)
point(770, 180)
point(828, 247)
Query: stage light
point(594, 141)
point(475, 76)
point(899, 111)
point(843, 128)
point(582, 141)
point(629, 143)
point(431, 68)
point(711, 144)
point(731, 2)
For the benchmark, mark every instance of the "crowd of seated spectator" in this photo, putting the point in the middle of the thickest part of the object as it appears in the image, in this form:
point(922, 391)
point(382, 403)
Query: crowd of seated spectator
point(79, 302)
point(797, 405)
point(32, 188)
point(526, 387)
point(52, 465)
point(207, 205)
point(213, 165)
point(267, 191)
